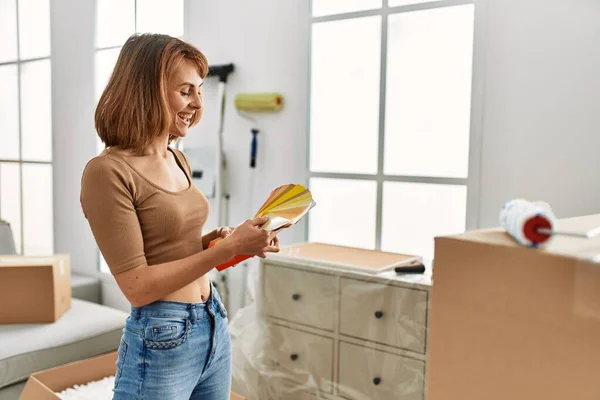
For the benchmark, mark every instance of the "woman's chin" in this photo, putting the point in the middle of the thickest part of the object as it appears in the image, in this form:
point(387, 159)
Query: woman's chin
point(179, 132)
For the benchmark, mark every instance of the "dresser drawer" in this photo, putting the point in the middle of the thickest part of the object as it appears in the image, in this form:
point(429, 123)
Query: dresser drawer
point(301, 357)
point(373, 374)
point(384, 314)
point(307, 298)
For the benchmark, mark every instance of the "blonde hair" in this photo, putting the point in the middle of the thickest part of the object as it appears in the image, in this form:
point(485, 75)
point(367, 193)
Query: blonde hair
point(133, 109)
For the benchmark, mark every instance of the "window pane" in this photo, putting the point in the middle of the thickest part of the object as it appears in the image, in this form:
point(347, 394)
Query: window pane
point(115, 22)
point(395, 3)
point(414, 213)
point(37, 209)
point(34, 28)
point(344, 119)
point(36, 112)
point(104, 64)
point(329, 7)
point(429, 92)
point(9, 113)
point(345, 212)
point(8, 30)
point(10, 199)
point(160, 16)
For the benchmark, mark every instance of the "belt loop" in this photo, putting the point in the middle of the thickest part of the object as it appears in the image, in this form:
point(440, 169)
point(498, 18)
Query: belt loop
point(193, 313)
point(212, 303)
point(136, 313)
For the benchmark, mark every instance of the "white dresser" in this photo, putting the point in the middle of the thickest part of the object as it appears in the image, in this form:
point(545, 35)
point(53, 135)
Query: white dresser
point(335, 332)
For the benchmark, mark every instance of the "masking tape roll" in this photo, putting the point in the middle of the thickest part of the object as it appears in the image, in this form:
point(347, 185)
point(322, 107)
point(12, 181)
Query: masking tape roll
point(258, 101)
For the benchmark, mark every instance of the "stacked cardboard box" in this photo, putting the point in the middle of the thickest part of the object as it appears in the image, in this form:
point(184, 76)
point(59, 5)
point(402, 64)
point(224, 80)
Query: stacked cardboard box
point(509, 322)
point(34, 289)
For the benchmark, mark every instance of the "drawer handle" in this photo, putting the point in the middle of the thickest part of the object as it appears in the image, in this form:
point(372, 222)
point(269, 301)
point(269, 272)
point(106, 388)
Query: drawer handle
point(378, 314)
point(376, 381)
point(294, 357)
point(296, 297)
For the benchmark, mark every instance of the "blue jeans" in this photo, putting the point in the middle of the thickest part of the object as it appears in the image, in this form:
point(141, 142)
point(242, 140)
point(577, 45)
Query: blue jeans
point(175, 351)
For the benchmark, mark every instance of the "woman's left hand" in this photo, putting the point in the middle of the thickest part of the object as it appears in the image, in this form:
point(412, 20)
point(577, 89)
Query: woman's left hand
point(274, 242)
point(224, 231)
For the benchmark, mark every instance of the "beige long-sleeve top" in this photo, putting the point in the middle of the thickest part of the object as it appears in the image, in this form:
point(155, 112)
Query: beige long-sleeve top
point(136, 222)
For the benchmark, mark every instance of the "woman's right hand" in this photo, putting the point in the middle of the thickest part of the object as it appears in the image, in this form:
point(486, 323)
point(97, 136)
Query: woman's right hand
point(249, 238)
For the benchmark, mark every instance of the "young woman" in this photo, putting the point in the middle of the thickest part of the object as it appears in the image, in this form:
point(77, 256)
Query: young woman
point(147, 218)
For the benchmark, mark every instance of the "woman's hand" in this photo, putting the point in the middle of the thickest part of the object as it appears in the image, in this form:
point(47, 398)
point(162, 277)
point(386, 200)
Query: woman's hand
point(249, 238)
point(223, 231)
point(275, 242)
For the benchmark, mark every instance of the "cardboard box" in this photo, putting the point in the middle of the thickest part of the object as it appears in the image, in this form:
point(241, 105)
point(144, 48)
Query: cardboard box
point(43, 385)
point(235, 396)
point(34, 289)
point(509, 322)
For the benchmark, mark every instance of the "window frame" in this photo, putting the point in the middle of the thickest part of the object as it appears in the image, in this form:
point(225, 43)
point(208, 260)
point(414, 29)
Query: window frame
point(18, 62)
point(472, 181)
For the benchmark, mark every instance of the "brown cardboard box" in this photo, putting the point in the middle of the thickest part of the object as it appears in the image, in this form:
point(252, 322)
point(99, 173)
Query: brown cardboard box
point(43, 385)
point(509, 322)
point(34, 289)
point(235, 396)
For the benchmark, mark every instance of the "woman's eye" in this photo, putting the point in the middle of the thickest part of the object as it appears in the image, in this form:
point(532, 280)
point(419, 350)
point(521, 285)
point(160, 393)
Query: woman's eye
point(185, 94)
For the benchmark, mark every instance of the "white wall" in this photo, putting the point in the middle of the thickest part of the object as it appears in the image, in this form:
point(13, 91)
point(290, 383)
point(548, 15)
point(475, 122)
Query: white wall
point(72, 41)
point(541, 106)
point(541, 93)
point(267, 41)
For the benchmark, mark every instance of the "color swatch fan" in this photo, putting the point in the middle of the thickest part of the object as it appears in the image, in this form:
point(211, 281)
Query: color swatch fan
point(285, 206)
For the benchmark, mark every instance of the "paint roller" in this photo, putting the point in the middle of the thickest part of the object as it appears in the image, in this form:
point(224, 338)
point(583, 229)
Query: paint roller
point(532, 223)
point(258, 102)
point(246, 103)
point(252, 103)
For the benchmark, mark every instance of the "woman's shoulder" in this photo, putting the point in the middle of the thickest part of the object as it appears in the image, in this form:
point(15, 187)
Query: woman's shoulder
point(105, 164)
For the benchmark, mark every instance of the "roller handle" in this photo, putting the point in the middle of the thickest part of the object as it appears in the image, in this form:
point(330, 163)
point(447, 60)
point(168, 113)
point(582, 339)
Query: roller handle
point(254, 148)
point(222, 71)
point(410, 269)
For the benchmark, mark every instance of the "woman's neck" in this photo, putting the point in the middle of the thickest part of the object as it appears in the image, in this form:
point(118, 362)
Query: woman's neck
point(157, 148)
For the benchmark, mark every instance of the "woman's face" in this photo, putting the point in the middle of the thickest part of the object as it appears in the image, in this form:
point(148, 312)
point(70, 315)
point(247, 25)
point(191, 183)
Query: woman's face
point(185, 97)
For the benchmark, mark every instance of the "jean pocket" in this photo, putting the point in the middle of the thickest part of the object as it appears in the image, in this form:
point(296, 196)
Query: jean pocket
point(164, 334)
point(121, 354)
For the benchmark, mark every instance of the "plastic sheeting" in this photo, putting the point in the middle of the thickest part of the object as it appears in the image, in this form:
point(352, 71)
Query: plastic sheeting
point(324, 327)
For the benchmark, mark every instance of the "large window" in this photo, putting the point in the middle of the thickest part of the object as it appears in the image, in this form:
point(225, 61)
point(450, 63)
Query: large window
point(26, 124)
point(390, 122)
point(116, 20)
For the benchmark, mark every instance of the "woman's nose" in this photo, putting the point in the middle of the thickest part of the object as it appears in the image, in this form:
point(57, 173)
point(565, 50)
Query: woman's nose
point(196, 102)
